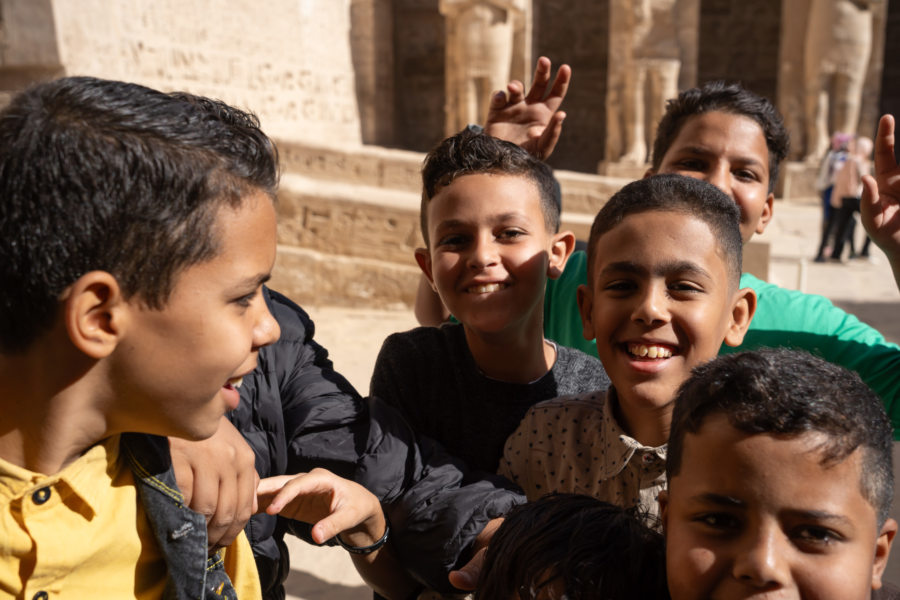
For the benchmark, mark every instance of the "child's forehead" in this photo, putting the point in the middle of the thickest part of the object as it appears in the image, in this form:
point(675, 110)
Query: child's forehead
point(808, 455)
point(660, 225)
point(731, 126)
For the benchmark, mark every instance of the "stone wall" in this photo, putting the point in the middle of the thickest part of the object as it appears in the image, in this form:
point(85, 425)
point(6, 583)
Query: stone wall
point(290, 61)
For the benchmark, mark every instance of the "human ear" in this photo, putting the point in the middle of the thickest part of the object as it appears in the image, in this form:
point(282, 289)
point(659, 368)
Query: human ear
point(742, 310)
point(423, 258)
point(883, 551)
point(767, 213)
point(560, 250)
point(585, 298)
point(94, 313)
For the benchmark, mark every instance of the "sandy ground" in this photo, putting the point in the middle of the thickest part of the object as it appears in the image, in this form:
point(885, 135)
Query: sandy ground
point(354, 336)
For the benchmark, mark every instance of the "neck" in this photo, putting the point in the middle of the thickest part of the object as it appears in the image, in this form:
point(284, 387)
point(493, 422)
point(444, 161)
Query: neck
point(520, 357)
point(646, 423)
point(55, 417)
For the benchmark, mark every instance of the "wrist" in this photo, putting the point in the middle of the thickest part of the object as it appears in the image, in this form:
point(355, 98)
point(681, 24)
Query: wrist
point(364, 544)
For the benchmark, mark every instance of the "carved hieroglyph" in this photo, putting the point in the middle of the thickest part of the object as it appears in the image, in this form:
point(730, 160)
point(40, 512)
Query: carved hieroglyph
point(651, 41)
point(488, 44)
point(836, 55)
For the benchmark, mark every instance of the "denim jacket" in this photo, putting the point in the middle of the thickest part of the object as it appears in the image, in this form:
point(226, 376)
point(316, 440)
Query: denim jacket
point(179, 531)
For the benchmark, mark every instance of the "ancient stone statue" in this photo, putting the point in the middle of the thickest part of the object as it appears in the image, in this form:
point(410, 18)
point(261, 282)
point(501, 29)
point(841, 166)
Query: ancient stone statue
point(836, 55)
point(650, 41)
point(487, 45)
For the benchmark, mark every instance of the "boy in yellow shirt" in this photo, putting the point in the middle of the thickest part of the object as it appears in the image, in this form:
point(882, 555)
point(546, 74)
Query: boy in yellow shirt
point(136, 231)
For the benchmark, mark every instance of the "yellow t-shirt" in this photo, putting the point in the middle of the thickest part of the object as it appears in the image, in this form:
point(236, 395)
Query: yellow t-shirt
point(82, 533)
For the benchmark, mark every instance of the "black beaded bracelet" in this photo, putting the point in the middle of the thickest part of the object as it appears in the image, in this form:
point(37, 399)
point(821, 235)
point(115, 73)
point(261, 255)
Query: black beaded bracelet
point(367, 549)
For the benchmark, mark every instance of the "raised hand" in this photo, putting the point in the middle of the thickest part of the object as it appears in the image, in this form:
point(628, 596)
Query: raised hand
point(880, 202)
point(531, 121)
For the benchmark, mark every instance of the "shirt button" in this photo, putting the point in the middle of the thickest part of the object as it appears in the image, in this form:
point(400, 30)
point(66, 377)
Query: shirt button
point(39, 497)
point(42, 595)
point(648, 458)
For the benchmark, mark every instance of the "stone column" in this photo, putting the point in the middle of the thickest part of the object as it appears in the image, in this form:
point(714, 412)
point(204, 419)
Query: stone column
point(482, 38)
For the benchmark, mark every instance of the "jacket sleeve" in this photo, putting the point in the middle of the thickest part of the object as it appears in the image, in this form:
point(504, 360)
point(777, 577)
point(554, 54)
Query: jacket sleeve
point(435, 505)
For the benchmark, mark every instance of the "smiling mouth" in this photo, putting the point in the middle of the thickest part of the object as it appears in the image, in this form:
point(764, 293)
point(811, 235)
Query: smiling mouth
point(487, 288)
point(235, 382)
point(652, 351)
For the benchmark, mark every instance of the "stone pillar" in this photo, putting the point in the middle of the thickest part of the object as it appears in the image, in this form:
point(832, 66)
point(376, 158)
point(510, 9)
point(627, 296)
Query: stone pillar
point(418, 74)
point(889, 101)
point(739, 41)
point(649, 41)
point(836, 56)
point(371, 35)
point(481, 46)
point(28, 48)
point(577, 32)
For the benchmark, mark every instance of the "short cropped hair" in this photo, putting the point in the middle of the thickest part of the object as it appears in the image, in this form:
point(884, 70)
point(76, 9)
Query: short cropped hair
point(113, 176)
point(789, 392)
point(585, 548)
point(678, 194)
point(728, 98)
point(471, 152)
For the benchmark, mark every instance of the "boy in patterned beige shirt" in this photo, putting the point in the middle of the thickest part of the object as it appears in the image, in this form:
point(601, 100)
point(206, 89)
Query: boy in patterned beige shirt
point(664, 262)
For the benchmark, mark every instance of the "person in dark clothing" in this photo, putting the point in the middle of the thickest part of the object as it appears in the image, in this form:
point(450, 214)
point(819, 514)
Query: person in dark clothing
point(297, 413)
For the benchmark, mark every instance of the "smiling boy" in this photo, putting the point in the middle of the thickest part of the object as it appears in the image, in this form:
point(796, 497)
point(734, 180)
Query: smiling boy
point(776, 489)
point(490, 220)
point(662, 296)
point(136, 231)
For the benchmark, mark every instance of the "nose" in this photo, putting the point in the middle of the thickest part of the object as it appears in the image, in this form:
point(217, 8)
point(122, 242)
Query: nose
point(720, 176)
point(762, 562)
point(483, 253)
point(652, 306)
point(266, 331)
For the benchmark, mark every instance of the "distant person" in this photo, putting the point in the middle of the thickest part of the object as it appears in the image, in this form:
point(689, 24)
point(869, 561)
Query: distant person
point(779, 482)
point(829, 166)
point(849, 181)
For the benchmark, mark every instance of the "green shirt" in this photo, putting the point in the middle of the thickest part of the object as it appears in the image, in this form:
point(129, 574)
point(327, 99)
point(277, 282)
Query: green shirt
point(784, 319)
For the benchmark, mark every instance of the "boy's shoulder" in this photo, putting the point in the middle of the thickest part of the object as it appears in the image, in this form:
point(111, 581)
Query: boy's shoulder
point(577, 372)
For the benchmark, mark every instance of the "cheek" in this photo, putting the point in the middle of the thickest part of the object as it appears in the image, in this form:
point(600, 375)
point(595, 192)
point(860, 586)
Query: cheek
point(692, 572)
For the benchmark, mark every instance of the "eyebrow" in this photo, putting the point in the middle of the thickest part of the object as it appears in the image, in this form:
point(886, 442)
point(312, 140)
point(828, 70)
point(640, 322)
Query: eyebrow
point(664, 268)
point(453, 223)
point(253, 282)
point(749, 160)
point(718, 500)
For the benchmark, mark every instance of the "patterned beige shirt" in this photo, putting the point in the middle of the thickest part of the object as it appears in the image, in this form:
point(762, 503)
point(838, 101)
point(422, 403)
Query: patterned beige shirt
point(574, 444)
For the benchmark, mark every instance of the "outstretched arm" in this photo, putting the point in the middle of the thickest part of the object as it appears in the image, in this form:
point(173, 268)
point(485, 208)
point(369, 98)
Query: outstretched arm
point(880, 203)
point(532, 121)
point(341, 508)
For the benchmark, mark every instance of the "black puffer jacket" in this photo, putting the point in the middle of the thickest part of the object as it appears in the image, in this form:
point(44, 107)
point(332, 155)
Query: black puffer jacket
point(297, 413)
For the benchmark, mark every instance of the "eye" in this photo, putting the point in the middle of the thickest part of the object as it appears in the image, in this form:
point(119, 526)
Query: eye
point(719, 522)
point(621, 286)
point(816, 535)
point(510, 234)
point(452, 240)
point(690, 164)
point(746, 175)
point(247, 299)
point(686, 287)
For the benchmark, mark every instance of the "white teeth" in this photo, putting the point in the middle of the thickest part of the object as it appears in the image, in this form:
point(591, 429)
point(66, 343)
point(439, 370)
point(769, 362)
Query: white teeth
point(486, 288)
point(649, 351)
point(236, 382)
